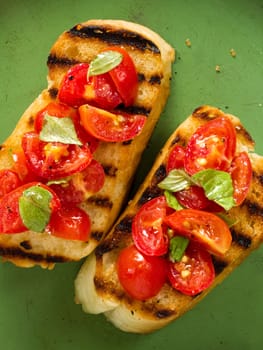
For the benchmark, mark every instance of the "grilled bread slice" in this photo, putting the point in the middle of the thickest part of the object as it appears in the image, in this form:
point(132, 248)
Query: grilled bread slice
point(153, 58)
point(97, 286)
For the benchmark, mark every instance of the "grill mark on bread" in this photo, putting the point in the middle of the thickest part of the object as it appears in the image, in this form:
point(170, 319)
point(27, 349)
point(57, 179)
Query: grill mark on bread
point(159, 175)
point(135, 110)
point(149, 193)
point(112, 36)
point(97, 235)
point(100, 201)
point(242, 131)
point(219, 264)
point(16, 252)
point(26, 245)
point(53, 92)
point(54, 60)
point(242, 240)
point(164, 313)
point(254, 208)
point(110, 170)
point(30, 122)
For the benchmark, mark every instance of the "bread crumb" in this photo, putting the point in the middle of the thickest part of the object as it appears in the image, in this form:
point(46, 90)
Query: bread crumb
point(218, 69)
point(188, 42)
point(233, 53)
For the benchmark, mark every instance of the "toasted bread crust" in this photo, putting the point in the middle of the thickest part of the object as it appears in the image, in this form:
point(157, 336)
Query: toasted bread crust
point(97, 286)
point(153, 61)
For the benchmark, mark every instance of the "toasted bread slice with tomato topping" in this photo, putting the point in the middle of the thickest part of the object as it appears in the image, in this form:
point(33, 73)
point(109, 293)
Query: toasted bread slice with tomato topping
point(153, 58)
point(97, 286)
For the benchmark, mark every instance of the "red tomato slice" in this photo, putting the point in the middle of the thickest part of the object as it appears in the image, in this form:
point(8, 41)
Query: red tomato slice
point(205, 228)
point(61, 110)
point(194, 198)
point(70, 223)
point(125, 77)
point(11, 221)
point(176, 158)
point(72, 88)
point(241, 173)
point(68, 194)
point(20, 166)
point(53, 109)
point(148, 230)
point(194, 273)
point(102, 92)
point(212, 146)
point(9, 180)
point(53, 160)
point(76, 89)
point(110, 127)
point(142, 277)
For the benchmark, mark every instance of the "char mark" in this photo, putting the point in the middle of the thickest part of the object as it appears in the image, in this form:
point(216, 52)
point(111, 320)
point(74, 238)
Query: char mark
point(164, 313)
point(110, 170)
point(242, 240)
point(135, 110)
point(254, 208)
point(153, 80)
point(53, 92)
point(13, 253)
point(124, 226)
point(114, 37)
point(149, 193)
point(53, 60)
point(219, 264)
point(100, 201)
point(204, 114)
point(159, 175)
point(96, 235)
point(26, 245)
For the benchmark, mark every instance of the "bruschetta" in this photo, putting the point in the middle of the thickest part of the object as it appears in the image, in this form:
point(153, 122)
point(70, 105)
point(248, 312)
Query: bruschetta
point(195, 218)
point(67, 167)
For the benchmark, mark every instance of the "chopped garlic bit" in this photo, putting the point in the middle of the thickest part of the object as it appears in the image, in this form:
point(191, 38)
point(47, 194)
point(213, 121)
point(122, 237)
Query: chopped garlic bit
point(188, 42)
point(185, 273)
point(233, 53)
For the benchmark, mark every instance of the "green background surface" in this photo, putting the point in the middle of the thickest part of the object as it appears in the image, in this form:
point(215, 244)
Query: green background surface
point(37, 309)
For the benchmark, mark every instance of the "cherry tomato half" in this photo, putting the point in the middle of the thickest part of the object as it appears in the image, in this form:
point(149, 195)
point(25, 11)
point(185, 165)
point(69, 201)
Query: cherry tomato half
point(194, 273)
point(176, 158)
point(77, 89)
point(10, 220)
point(205, 228)
point(142, 277)
point(70, 223)
point(53, 160)
point(9, 180)
point(194, 198)
point(125, 77)
point(148, 230)
point(241, 173)
point(20, 166)
point(212, 146)
point(111, 127)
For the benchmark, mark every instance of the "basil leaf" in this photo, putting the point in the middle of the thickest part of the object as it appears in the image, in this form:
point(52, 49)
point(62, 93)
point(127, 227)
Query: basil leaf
point(172, 201)
point(177, 247)
point(104, 62)
point(218, 186)
point(176, 180)
point(34, 208)
point(59, 130)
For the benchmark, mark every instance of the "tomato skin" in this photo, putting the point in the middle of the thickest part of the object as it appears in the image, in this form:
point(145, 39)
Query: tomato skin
point(176, 158)
point(71, 91)
point(9, 180)
point(206, 228)
point(110, 127)
point(148, 230)
point(241, 173)
point(142, 277)
point(194, 273)
point(125, 77)
point(213, 145)
point(11, 221)
point(20, 166)
point(77, 89)
point(77, 158)
point(70, 223)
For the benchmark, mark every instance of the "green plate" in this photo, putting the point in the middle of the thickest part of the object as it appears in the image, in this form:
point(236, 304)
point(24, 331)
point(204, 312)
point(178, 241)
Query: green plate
point(37, 307)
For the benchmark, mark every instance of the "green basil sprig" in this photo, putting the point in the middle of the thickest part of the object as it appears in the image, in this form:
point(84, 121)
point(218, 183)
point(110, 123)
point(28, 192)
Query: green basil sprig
point(104, 62)
point(34, 208)
point(217, 184)
point(178, 245)
point(59, 130)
